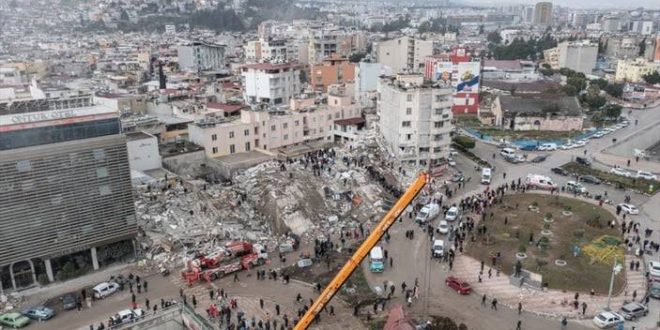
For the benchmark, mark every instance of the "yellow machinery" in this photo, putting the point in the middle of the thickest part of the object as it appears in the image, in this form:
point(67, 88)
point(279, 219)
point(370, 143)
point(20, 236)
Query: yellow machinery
point(362, 251)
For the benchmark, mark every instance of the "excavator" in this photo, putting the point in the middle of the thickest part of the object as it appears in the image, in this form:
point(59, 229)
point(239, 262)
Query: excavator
point(351, 265)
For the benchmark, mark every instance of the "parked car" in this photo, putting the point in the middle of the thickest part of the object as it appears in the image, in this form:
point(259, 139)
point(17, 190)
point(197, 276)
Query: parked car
point(458, 177)
point(598, 135)
point(68, 301)
point(539, 182)
point(438, 249)
point(443, 227)
point(629, 208)
point(590, 179)
point(459, 285)
point(633, 310)
point(583, 161)
point(654, 290)
point(453, 214)
point(14, 320)
point(575, 187)
point(607, 319)
point(560, 171)
point(428, 213)
point(646, 175)
point(126, 316)
point(539, 158)
point(451, 162)
point(105, 289)
point(654, 269)
point(619, 171)
point(40, 313)
point(547, 147)
point(452, 152)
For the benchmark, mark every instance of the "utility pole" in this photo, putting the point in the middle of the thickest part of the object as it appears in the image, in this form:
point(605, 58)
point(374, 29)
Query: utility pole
point(616, 268)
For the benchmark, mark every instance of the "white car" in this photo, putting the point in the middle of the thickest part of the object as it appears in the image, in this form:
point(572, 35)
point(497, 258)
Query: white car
point(443, 227)
point(453, 214)
point(452, 152)
point(646, 175)
point(654, 269)
point(105, 289)
point(607, 319)
point(566, 146)
point(126, 316)
point(598, 135)
point(580, 143)
point(629, 209)
point(451, 162)
point(619, 171)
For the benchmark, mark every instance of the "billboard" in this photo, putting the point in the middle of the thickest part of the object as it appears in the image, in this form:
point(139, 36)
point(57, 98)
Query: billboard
point(467, 79)
point(443, 71)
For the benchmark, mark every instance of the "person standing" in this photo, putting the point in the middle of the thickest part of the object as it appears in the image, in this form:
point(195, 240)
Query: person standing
point(519, 325)
point(483, 300)
point(519, 308)
point(494, 304)
point(584, 308)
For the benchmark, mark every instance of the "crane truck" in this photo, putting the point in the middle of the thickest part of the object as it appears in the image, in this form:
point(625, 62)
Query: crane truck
point(413, 190)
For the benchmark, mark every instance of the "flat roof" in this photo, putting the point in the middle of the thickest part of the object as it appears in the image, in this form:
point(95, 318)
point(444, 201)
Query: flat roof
point(138, 136)
point(270, 66)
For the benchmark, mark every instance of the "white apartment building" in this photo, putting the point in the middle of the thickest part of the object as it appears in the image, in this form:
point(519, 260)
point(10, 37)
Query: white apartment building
point(200, 56)
point(366, 82)
point(579, 56)
point(415, 118)
point(270, 83)
point(404, 54)
point(268, 128)
point(268, 51)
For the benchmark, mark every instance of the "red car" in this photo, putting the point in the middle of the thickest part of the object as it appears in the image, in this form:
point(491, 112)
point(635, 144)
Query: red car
point(459, 285)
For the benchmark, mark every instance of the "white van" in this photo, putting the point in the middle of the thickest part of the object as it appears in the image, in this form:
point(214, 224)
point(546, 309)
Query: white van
point(105, 289)
point(508, 152)
point(438, 248)
point(376, 261)
point(486, 173)
point(547, 147)
point(428, 213)
point(539, 182)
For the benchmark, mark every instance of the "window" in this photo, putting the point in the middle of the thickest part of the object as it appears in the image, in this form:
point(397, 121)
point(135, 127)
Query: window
point(337, 115)
point(215, 150)
point(437, 137)
point(296, 123)
point(408, 137)
point(445, 116)
point(99, 154)
point(272, 128)
point(246, 132)
point(286, 136)
point(23, 166)
point(247, 146)
point(438, 111)
point(438, 124)
point(405, 124)
point(330, 117)
point(102, 172)
point(231, 134)
point(214, 137)
point(437, 149)
point(105, 190)
point(408, 111)
point(409, 97)
point(232, 148)
point(285, 125)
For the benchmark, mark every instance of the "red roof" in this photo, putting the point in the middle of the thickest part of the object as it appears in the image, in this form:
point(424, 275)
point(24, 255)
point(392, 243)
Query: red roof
point(397, 320)
point(269, 66)
point(228, 108)
point(350, 121)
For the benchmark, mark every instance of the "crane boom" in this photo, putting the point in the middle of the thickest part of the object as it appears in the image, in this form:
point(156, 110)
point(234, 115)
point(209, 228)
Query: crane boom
point(362, 251)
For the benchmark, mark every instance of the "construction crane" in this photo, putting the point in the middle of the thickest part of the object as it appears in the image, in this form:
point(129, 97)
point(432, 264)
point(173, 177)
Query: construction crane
point(362, 251)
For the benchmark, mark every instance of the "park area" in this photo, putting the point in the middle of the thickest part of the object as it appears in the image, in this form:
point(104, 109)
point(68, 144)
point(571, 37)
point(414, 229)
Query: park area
point(567, 241)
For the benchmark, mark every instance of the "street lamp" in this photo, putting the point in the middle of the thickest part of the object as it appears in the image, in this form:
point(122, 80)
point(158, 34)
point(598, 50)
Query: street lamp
point(616, 268)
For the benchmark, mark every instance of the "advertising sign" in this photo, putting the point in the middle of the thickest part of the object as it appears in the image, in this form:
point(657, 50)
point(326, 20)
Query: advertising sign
point(443, 71)
point(468, 77)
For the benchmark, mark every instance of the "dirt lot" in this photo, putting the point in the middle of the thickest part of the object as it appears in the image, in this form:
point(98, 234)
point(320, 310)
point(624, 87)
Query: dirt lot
point(586, 223)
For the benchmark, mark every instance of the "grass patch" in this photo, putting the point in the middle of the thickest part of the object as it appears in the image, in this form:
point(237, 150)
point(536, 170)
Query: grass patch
point(587, 224)
point(534, 135)
point(619, 181)
point(467, 120)
point(469, 154)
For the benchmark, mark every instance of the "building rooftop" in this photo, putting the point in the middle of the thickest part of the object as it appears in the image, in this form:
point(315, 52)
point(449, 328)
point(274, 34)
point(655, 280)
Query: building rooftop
point(270, 66)
point(541, 104)
point(226, 107)
point(513, 65)
point(350, 121)
point(138, 136)
point(178, 148)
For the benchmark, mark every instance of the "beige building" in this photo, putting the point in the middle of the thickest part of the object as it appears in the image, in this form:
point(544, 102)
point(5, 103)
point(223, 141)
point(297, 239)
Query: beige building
point(579, 56)
point(537, 112)
point(404, 55)
point(634, 70)
point(543, 13)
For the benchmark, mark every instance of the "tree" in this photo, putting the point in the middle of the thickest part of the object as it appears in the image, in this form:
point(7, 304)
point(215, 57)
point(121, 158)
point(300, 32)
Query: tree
point(356, 57)
point(570, 90)
point(601, 83)
point(594, 101)
point(494, 37)
point(464, 141)
point(577, 82)
point(652, 78)
point(481, 29)
point(612, 110)
point(615, 90)
point(642, 47)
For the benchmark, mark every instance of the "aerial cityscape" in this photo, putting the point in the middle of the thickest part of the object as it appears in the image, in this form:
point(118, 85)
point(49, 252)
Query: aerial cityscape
point(329, 164)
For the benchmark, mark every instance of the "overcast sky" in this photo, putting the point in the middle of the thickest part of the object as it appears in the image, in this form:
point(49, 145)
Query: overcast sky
point(602, 4)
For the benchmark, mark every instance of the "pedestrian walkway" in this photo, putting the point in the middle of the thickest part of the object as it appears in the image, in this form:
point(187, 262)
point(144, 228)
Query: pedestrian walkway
point(553, 303)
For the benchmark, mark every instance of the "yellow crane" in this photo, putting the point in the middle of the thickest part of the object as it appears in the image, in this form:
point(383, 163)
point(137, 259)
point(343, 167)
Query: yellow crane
point(362, 251)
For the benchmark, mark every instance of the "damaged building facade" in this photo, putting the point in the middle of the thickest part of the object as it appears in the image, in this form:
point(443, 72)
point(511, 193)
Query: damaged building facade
point(65, 190)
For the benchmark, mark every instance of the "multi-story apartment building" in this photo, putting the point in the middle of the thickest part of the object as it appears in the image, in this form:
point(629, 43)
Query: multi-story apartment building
point(65, 187)
point(268, 51)
point(415, 118)
point(366, 82)
point(577, 55)
point(543, 13)
point(270, 83)
point(404, 54)
point(330, 71)
point(201, 56)
point(267, 128)
point(634, 70)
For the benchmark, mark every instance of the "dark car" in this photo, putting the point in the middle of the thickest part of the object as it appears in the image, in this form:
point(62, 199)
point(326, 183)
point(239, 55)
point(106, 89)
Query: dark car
point(539, 158)
point(68, 301)
point(559, 170)
point(582, 161)
point(40, 313)
point(458, 177)
point(590, 179)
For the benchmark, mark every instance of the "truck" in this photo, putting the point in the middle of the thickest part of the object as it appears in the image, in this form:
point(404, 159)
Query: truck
point(235, 256)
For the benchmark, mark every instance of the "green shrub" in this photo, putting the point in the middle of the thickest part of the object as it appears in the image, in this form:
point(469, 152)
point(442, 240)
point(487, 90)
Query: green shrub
point(464, 141)
point(522, 248)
